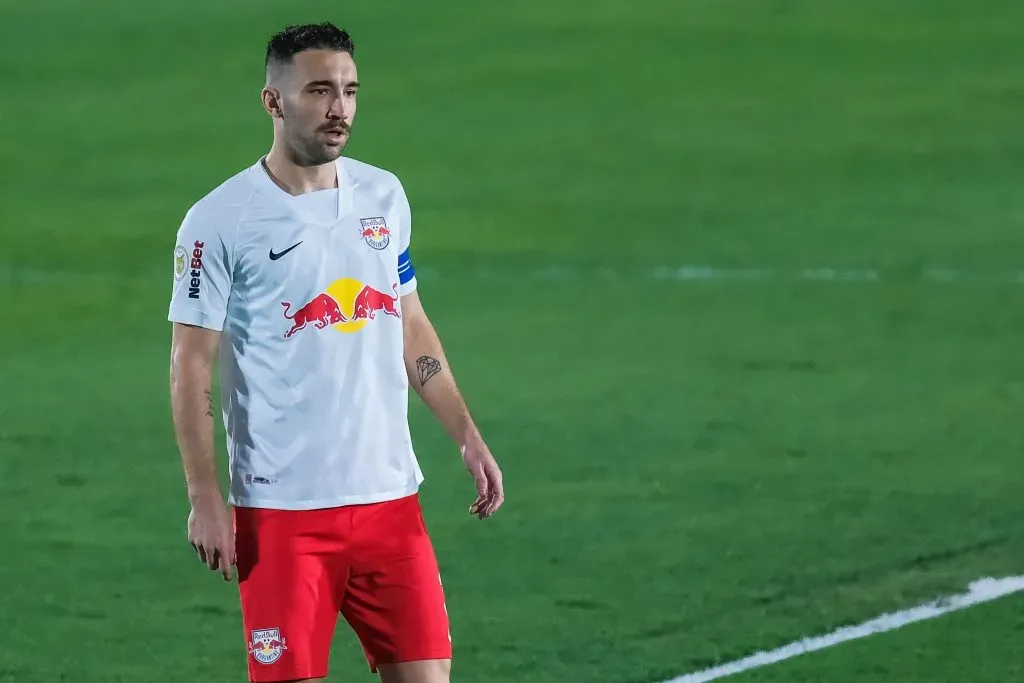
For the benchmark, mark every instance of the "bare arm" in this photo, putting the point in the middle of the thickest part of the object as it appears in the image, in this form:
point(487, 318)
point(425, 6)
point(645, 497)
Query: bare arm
point(193, 350)
point(429, 374)
point(432, 379)
point(192, 356)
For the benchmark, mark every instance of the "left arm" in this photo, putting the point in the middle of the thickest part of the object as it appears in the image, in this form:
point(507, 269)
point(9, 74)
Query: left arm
point(432, 379)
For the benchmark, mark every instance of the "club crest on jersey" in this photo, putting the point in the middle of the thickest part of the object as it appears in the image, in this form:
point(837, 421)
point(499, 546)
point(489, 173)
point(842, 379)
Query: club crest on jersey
point(267, 645)
point(375, 232)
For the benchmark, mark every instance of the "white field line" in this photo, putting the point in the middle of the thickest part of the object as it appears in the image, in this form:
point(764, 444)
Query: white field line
point(683, 273)
point(982, 590)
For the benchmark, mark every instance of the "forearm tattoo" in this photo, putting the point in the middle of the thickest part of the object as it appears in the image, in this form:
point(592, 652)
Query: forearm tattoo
point(209, 403)
point(427, 368)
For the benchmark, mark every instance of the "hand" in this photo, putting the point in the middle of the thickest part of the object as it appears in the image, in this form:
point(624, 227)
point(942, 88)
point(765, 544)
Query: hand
point(481, 464)
point(212, 535)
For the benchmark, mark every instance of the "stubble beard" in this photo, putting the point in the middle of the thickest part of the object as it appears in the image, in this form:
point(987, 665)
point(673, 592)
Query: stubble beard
point(308, 149)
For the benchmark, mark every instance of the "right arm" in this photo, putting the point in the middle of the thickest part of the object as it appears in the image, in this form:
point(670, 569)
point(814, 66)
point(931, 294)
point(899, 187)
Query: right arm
point(192, 355)
point(199, 297)
point(193, 350)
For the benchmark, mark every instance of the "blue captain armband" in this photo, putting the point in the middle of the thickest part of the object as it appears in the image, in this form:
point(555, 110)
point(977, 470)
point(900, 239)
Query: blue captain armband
point(405, 270)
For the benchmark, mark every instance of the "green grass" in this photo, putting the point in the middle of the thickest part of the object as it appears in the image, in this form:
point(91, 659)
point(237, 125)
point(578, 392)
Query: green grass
point(695, 470)
point(966, 646)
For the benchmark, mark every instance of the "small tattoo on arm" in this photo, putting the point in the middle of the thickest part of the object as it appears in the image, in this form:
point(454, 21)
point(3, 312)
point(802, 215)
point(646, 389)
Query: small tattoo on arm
point(209, 403)
point(427, 367)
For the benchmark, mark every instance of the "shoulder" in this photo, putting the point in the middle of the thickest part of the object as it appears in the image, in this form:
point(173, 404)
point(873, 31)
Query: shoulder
point(221, 207)
point(370, 178)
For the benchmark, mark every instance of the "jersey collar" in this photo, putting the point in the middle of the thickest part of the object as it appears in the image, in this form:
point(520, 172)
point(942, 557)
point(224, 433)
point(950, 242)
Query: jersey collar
point(263, 181)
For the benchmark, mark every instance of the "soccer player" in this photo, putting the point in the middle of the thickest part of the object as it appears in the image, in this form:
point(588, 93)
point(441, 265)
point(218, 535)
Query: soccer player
point(295, 275)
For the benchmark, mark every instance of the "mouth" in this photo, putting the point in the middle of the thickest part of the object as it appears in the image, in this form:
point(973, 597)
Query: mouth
point(335, 135)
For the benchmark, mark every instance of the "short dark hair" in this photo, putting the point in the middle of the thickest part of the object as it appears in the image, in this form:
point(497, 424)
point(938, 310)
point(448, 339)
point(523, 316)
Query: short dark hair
point(292, 40)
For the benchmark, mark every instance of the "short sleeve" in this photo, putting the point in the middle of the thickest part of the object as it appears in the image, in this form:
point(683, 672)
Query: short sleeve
point(406, 272)
point(202, 271)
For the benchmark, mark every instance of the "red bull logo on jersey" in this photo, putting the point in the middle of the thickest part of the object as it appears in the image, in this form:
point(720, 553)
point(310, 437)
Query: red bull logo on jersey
point(345, 306)
point(267, 645)
point(375, 232)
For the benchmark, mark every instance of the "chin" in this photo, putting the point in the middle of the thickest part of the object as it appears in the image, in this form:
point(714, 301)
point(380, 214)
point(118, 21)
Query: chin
point(319, 157)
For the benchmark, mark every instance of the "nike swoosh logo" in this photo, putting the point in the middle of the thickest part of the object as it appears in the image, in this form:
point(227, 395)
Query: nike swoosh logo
point(274, 257)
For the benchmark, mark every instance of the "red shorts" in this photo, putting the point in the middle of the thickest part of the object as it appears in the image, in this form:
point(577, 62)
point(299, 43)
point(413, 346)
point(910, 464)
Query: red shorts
point(373, 564)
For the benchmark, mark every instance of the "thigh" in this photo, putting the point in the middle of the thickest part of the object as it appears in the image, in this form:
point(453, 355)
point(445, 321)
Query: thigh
point(394, 599)
point(287, 588)
point(425, 671)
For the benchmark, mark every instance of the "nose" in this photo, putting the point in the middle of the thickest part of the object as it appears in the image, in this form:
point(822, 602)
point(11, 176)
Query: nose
point(337, 109)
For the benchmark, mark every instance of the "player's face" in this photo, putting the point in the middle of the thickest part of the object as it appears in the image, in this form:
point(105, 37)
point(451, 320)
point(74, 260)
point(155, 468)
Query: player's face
point(318, 105)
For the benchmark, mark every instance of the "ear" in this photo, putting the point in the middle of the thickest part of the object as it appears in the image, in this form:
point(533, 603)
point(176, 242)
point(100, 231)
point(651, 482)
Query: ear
point(272, 101)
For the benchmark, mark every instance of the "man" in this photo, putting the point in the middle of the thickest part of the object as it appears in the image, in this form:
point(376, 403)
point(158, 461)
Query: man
point(297, 273)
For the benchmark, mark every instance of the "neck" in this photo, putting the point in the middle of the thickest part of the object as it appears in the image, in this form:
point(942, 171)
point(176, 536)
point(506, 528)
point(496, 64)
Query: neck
point(295, 179)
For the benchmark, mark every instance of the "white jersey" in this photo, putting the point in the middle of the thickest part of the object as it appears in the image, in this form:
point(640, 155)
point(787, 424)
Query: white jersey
point(306, 293)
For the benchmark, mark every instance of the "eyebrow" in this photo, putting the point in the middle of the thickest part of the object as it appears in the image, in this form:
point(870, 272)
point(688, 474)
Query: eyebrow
point(352, 84)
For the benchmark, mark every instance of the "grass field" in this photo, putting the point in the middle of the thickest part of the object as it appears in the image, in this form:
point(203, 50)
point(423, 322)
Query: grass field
point(695, 470)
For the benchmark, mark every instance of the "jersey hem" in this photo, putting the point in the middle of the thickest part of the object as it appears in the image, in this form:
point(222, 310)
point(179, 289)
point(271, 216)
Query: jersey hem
point(407, 287)
point(193, 316)
point(271, 504)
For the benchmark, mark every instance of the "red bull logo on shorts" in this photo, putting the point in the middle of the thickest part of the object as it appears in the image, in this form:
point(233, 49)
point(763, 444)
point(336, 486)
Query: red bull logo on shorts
point(267, 645)
point(345, 306)
point(375, 232)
